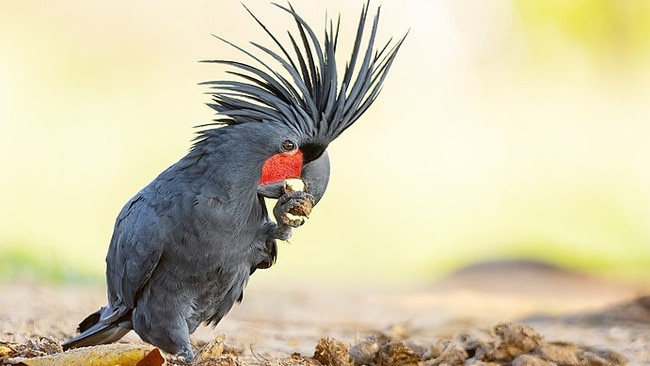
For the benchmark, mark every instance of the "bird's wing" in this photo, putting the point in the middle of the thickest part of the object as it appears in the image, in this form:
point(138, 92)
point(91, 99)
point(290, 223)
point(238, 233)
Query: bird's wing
point(136, 247)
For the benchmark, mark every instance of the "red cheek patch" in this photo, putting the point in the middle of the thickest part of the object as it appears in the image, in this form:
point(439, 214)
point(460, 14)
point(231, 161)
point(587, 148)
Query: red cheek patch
point(282, 166)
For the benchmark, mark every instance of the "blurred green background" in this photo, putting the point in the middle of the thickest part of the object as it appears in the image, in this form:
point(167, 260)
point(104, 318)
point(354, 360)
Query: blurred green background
point(506, 129)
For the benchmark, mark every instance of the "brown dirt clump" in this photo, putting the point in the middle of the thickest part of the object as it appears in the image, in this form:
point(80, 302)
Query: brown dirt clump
point(38, 347)
point(332, 352)
point(503, 344)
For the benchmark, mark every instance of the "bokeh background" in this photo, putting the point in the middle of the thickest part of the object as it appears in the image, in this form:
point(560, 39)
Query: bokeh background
point(506, 129)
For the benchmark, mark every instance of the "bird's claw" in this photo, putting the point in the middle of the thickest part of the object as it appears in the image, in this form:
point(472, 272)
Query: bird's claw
point(185, 355)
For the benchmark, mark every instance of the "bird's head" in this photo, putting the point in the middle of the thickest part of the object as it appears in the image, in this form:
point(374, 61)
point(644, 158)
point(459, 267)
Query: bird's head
point(300, 96)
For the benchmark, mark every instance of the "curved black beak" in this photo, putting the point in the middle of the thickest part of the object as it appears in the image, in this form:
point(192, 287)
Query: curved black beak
point(315, 175)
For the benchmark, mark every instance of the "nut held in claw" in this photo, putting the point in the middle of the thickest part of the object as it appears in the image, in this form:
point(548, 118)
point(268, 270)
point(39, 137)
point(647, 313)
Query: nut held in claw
point(304, 208)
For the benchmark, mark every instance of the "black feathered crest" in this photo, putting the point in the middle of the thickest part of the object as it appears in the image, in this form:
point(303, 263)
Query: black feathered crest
point(309, 94)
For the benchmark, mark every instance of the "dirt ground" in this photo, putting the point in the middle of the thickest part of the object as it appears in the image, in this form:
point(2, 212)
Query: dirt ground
point(553, 309)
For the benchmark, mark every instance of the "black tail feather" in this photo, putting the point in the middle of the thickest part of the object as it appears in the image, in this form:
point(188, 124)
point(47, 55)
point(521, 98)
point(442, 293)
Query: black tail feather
point(92, 331)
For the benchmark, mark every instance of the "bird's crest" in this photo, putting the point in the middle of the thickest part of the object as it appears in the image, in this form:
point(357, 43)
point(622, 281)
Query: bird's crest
point(309, 95)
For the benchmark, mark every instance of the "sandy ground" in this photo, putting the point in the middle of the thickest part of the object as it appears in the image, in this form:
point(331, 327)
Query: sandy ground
point(275, 323)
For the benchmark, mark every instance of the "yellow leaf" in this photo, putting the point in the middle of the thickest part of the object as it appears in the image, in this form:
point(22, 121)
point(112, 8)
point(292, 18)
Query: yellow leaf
point(6, 351)
point(102, 355)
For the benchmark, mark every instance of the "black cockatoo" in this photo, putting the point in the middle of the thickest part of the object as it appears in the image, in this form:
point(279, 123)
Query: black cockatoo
point(184, 247)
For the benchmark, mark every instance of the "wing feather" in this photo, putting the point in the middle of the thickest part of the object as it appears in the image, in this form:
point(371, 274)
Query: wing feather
point(136, 247)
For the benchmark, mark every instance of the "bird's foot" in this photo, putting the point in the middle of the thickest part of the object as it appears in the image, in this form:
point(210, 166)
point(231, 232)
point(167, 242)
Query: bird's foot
point(298, 204)
point(184, 356)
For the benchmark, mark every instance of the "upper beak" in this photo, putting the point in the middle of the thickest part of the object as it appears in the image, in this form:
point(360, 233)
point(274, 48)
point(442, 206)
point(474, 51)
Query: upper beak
point(315, 175)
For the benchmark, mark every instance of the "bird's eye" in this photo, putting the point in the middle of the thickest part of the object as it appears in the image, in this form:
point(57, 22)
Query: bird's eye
point(288, 145)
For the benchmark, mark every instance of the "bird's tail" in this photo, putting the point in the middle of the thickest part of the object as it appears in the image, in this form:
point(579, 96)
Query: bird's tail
point(97, 329)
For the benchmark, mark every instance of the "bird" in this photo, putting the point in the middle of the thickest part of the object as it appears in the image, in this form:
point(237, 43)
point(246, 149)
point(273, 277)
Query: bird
point(184, 247)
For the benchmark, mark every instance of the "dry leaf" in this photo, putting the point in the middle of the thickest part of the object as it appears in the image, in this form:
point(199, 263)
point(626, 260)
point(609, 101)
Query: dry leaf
point(154, 358)
point(103, 355)
point(214, 349)
point(6, 351)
